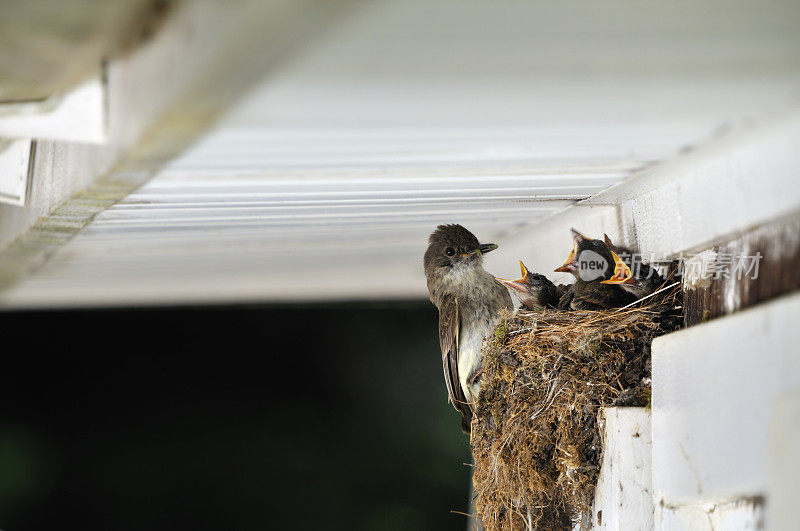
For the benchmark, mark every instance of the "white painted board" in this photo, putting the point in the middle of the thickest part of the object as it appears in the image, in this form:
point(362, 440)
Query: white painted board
point(14, 168)
point(623, 500)
point(713, 388)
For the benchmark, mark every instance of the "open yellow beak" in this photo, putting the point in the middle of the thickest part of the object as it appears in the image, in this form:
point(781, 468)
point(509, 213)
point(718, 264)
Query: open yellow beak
point(518, 284)
point(569, 265)
point(622, 273)
point(524, 271)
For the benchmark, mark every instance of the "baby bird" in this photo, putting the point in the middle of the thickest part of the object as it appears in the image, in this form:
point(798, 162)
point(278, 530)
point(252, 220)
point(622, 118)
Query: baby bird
point(592, 263)
point(534, 291)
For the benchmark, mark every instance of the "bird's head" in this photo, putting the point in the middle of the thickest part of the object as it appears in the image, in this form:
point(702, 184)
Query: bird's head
point(451, 246)
point(570, 265)
point(591, 259)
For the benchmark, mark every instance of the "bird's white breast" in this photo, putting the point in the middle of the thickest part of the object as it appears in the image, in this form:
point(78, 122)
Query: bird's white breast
point(469, 355)
point(477, 320)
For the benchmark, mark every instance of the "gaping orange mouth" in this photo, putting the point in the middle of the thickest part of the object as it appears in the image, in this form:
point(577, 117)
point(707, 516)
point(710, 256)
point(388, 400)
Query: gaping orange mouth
point(622, 273)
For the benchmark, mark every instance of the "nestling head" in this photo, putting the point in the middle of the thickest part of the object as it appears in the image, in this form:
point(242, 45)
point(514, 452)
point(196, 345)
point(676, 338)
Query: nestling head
point(592, 260)
point(532, 289)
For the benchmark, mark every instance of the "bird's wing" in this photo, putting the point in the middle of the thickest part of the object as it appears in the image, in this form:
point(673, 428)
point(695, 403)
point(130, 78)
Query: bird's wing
point(561, 289)
point(565, 299)
point(449, 329)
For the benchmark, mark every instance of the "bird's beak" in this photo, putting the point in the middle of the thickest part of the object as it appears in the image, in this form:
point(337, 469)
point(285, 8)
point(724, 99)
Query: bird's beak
point(622, 273)
point(569, 265)
point(518, 284)
point(482, 248)
point(577, 237)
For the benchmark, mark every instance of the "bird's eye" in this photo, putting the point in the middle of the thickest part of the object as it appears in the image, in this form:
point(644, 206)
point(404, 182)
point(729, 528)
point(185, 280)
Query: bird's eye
point(449, 251)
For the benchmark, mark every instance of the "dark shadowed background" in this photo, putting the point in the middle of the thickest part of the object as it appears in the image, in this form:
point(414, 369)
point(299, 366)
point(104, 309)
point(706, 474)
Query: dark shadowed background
point(229, 418)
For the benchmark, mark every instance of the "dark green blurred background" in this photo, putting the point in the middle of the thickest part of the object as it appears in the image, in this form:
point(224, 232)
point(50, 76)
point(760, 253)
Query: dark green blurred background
point(229, 418)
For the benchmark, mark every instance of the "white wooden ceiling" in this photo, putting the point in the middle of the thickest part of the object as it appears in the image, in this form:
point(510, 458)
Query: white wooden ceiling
point(325, 182)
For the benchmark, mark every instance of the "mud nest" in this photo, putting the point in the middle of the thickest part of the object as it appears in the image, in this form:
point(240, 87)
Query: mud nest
point(546, 375)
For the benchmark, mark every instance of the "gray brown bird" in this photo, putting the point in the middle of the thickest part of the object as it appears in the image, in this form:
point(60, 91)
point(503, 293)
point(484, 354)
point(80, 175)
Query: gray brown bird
point(534, 291)
point(593, 263)
point(469, 301)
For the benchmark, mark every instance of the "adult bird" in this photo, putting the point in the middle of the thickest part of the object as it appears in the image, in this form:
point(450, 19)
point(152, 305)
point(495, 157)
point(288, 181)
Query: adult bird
point(469, 301)
point(534, 291)
point(592, 263)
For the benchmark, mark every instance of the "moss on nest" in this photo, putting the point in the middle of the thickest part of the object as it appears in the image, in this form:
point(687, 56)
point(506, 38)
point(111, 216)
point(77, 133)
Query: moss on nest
point(546, 375)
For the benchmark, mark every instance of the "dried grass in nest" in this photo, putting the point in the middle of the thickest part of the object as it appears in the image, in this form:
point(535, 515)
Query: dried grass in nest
point(535, 439)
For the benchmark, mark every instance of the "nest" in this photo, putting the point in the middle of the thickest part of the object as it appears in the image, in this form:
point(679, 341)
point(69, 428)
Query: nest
point(546, 375)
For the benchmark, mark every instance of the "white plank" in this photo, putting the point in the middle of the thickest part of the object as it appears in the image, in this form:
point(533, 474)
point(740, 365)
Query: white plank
point(14, 171)
point(783, 512)
point(79, 115)
point(733, 183)
point(623, 499)
point(713, 387)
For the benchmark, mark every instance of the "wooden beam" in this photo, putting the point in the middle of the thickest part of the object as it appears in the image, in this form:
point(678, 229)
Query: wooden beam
point(42, 54)
point(162, 97)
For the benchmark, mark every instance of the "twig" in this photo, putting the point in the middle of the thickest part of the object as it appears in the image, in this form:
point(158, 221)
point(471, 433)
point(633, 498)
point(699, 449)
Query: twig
point(647, 297)
point(465, 514)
